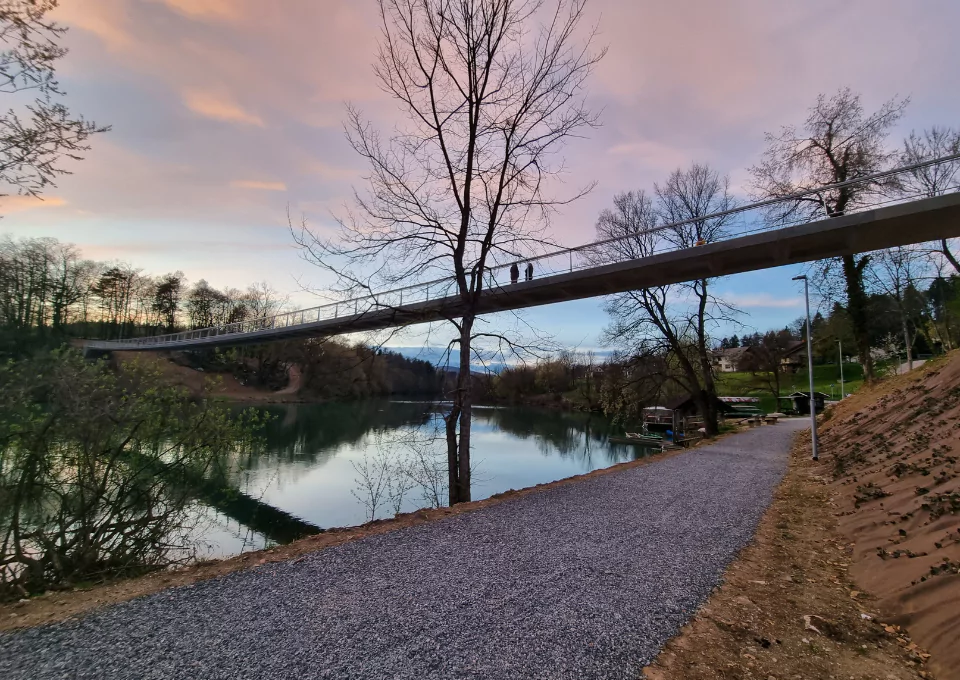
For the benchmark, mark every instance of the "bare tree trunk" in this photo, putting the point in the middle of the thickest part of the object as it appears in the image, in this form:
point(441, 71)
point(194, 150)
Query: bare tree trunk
point(709, 412)
point(451, 420)
point(906, 339)
point(707, 406)
point(458, 422)
point(857, 306)
point(945, 249)
point(466, 412)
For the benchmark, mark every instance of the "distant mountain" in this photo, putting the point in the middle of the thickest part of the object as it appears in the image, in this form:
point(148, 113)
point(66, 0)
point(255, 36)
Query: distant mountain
point(435, 355)
point(438, 357)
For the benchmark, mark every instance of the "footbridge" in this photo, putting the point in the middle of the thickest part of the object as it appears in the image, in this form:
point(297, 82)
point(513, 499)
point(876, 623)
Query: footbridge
point(601, 268)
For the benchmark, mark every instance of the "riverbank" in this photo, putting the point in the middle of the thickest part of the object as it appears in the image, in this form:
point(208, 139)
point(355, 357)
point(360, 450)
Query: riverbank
point(63, 605)
point(551, 402)
point(837, 579)
point(225, 386)
point(586, 579)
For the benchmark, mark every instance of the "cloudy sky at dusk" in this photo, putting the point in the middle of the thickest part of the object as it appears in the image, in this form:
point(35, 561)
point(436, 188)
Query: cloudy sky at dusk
point(226, 112)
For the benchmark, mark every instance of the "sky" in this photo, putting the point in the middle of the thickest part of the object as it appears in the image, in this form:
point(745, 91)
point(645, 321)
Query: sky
point(227, 114)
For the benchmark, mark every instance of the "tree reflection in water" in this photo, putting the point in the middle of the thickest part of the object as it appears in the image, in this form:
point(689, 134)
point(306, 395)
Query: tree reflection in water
point(576, 435)
point(403, 436)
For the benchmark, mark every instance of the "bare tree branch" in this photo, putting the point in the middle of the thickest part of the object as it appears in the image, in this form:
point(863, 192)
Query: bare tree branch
point(491, 91)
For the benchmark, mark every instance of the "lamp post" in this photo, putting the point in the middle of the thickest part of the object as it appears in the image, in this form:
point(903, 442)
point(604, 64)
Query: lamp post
point(813, 403)
point(840, 345)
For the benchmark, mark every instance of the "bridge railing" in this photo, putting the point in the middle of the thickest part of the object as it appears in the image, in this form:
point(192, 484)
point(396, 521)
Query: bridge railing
point(735, 222)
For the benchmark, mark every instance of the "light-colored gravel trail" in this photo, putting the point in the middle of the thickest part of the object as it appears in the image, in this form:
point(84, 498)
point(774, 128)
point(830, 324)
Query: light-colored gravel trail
point(585, 580)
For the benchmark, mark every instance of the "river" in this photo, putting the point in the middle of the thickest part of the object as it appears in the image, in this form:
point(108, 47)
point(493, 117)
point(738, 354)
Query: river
point(314, 456)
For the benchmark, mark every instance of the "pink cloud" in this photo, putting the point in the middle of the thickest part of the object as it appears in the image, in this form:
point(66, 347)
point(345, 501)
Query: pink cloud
point(107, 20)
point(14, 204)
point(219, 107)
point(329, 172)
point(256, 184)
point(206, 9)
point(685, 81)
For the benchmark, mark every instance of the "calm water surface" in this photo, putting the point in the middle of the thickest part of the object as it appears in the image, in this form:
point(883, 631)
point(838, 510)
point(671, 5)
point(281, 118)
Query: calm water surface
point(309, 465)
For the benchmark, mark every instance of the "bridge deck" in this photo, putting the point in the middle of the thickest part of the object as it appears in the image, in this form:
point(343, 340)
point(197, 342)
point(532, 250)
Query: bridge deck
point(897, 225)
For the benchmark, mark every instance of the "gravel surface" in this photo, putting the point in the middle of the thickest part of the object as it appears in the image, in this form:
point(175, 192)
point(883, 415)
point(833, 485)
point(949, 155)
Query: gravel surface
point(587, 580)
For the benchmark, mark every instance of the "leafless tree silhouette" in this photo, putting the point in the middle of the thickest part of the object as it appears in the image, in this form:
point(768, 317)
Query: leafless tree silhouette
point(668, 326)
point(896, 273)
point(36, 133)
point(838, 142)
point(490, 90)
point(933, 180)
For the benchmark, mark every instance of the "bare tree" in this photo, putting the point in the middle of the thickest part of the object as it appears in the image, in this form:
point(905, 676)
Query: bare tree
point(38, 133)
point(632, 382)
point(933, 180)
point(27, 279)
point(895, 273)
point(585, 363)
point(669, 325)
point(143, 295)
point(263, 300)
point(398, 484)
point(424, 463)
point(766, 360)
point(372, 483)
point(838, 142)
point(491, 90)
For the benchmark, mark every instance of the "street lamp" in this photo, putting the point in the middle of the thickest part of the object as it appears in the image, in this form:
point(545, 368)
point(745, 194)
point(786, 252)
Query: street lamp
point(813, 406)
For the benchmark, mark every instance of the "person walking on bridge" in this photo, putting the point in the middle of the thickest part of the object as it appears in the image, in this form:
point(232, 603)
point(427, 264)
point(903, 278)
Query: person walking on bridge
point(514, 273)
point(529, 271)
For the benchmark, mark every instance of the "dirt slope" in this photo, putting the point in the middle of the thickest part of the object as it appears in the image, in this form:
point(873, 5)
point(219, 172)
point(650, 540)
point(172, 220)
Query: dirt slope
point(224, 385)
point(893, 454)
point(788, 607)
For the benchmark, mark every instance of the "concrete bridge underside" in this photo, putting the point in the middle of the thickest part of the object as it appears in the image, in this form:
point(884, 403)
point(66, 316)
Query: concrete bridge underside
point(897, 225)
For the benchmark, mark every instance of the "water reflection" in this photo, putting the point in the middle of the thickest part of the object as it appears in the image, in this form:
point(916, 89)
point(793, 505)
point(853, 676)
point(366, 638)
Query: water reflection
point(313, 432)
point(308, 465)
point(578, 436)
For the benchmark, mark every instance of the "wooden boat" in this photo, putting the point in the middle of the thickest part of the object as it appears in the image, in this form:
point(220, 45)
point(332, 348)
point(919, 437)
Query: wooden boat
point(655, 441)
point(640, 439)
point(637, 438)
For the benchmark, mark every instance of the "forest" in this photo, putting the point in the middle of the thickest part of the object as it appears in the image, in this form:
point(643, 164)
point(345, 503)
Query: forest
point(924, 321)
point(50, 294)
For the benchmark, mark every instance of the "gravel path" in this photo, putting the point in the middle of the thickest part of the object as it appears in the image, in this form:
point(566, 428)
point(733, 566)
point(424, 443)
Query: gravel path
point(587, 580)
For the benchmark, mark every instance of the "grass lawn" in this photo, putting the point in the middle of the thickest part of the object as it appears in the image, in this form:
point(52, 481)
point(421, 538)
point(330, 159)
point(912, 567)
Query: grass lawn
point(743, 385)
